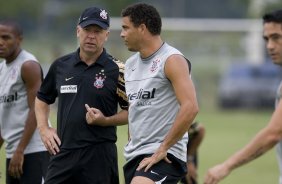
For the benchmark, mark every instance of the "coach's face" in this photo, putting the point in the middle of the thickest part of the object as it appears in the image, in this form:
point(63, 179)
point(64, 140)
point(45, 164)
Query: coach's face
point(92, 38)
point(272, 33)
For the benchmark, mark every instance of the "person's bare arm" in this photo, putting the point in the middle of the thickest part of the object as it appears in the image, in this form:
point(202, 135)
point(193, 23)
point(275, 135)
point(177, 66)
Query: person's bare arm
point(177, 71)
point(31, 75)
point(48, 134)
point(196, 141)
point(192, 149)
point(261, 143)
point(1, 141)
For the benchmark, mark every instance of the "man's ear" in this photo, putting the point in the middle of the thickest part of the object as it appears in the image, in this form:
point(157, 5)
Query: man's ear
point(142, 27)
point(107, 35)
point(77, 31)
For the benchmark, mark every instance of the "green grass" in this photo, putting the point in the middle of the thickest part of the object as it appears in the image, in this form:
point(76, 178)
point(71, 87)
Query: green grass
point(226, 132)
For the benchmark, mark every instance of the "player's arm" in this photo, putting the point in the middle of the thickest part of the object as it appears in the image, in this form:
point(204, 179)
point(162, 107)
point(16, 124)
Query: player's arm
point(31, 75)
point(177, 71)
point(261, 143)
point(1, 141)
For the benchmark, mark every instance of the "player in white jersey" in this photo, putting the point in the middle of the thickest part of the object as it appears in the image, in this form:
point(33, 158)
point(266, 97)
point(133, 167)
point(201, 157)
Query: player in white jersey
point(20, 76)
point(162, 100)
point(269, 136)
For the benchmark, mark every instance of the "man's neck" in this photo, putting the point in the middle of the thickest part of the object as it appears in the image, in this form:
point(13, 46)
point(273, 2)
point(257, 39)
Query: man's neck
point(13, 56)
point(90, 58)
point(151, 46)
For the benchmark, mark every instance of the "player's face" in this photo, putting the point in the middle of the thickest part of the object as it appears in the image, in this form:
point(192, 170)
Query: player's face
point(131, 35)
point(272, 33)
point(92, 38)
point(9, 42)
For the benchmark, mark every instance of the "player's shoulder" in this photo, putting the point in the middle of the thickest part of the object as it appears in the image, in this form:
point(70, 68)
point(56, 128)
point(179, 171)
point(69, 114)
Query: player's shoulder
point(117, 62)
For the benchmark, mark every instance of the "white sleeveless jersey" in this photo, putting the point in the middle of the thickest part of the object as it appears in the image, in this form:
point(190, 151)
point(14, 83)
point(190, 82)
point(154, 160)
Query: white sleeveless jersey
point(14, 107)
point(153, 104)
point(279, 145)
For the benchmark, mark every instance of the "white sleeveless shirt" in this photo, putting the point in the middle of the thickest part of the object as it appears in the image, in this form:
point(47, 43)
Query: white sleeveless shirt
point(14, 107)
point(153, 104)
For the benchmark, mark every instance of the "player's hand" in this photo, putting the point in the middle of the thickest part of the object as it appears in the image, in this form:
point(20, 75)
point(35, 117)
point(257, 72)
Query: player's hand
point(50, 139)
point(148, 162)
point(216, 174)
point(15, 168)
point(94, 116)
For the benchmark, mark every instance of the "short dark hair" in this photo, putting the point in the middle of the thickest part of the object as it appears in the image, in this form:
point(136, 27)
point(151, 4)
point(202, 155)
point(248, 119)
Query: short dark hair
point(14, 25)
point(274, 16)
point(141, 13)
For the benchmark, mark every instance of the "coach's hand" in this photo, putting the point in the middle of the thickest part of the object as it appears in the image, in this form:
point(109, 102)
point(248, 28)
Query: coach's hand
point(94, 116)
point(216, 174)
point(50, 139)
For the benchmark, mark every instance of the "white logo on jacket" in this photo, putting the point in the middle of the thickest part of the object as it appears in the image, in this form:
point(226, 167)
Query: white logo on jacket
point(68, 89)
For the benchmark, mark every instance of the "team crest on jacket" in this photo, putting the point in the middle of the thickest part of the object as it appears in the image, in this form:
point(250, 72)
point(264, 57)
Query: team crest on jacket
point(155, 64)
point(99, 80)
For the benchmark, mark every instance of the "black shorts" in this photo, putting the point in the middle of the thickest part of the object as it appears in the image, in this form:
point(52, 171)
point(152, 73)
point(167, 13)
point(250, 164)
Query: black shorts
point(34, 169)
point(167, 173)
point(94, 164)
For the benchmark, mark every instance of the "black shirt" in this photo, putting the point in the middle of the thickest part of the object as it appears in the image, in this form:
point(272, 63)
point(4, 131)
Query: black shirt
point(100, 85)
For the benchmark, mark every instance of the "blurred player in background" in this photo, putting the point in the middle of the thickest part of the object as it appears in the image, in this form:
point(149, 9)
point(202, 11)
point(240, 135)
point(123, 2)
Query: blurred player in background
point(196, 135)
point(20, 79)
point(269, 136)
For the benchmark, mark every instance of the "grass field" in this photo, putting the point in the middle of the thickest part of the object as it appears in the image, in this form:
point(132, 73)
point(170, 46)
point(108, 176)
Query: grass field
point(226, 132)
